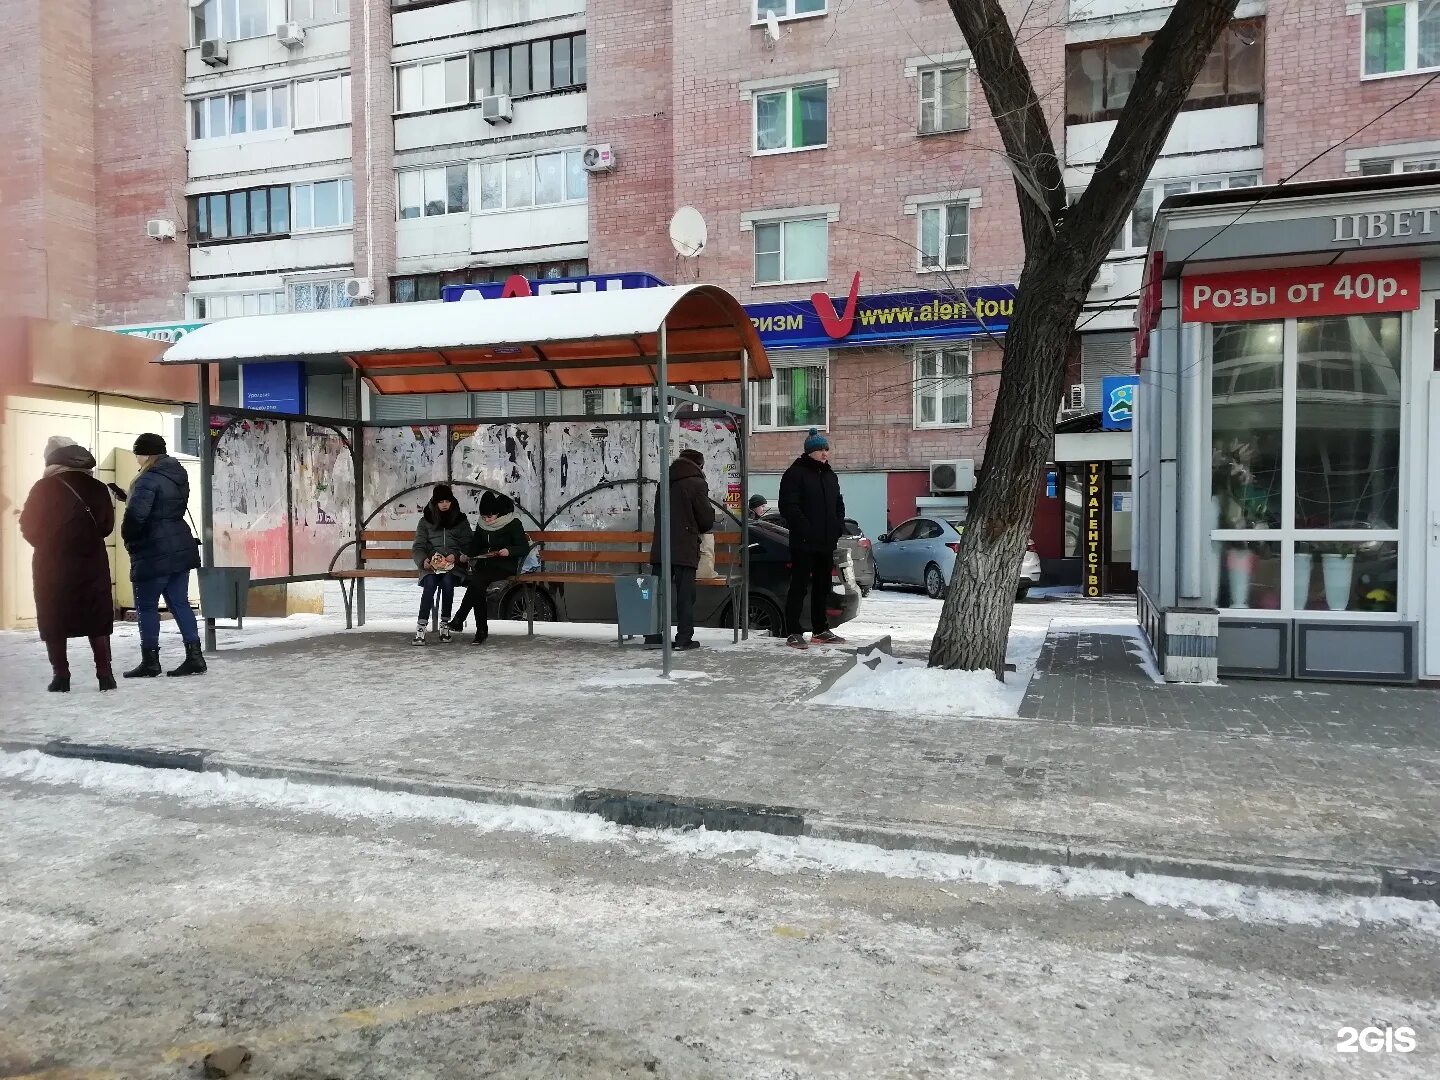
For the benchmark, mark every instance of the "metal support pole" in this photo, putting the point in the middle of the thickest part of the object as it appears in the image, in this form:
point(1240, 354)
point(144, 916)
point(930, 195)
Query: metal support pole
point(207, 476)
point(742, 432)
point(357, 458)
point(662, 504)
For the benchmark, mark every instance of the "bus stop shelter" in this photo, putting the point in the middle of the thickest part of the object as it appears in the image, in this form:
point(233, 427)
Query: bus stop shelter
point(289, 490)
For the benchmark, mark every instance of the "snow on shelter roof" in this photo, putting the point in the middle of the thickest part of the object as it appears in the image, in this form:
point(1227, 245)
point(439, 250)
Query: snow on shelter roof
point(565, 341)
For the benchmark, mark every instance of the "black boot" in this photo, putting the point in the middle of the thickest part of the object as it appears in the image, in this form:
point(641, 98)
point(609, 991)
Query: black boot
point(194, 661)
point(482, 630)
point(149, 665)
point(60, 684)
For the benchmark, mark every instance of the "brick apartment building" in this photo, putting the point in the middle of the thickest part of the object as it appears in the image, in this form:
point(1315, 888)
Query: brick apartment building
point(314, 153)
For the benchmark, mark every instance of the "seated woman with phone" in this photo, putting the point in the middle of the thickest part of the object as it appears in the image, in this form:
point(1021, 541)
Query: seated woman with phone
point(495, 552)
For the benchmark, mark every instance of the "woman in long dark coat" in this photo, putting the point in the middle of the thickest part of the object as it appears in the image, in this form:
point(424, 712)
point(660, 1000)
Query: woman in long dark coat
point(67, 516)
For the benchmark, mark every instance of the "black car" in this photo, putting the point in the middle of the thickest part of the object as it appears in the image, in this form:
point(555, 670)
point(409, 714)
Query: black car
point(769, 582)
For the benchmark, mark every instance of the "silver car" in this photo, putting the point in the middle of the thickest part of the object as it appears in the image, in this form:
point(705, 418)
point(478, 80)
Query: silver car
point(921, 551)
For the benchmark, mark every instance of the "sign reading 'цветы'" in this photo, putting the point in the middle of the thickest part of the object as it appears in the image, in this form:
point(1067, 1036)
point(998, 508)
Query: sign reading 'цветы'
point(1301, 292)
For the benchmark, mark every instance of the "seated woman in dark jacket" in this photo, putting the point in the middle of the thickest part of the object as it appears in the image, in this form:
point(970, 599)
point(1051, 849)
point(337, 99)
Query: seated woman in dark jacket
point(495, 553)
point(440, 539)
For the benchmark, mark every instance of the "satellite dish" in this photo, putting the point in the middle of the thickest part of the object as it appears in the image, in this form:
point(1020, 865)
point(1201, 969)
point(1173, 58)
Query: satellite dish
point(687, 232)
point(772, 25)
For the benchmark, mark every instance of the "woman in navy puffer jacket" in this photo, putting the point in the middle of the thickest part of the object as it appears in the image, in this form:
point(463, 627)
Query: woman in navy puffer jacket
point(163, 551)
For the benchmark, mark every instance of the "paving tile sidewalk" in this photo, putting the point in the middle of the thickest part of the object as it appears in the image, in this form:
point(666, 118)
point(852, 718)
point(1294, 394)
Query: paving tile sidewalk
point(549, 710)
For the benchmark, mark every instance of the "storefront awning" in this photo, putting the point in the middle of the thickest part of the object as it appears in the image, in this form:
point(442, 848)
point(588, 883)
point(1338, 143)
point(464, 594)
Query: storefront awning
point(568, 341)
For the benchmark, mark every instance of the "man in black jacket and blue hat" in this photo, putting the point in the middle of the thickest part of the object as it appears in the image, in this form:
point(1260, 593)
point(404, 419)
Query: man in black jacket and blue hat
point(814, 513)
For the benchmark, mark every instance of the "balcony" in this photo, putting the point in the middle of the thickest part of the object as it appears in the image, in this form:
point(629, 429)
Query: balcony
point(1200, 131)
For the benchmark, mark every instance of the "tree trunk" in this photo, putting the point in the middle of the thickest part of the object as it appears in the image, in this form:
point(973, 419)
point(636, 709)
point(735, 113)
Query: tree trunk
point(975, 622)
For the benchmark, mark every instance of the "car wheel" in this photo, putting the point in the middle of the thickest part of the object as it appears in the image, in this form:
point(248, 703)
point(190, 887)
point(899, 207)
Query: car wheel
point(765, 617)
point(934, 582)
point(513, 607)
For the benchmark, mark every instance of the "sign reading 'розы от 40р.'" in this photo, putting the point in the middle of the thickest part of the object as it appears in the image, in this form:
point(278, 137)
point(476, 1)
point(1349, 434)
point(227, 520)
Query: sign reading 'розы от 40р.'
point(1301, 292)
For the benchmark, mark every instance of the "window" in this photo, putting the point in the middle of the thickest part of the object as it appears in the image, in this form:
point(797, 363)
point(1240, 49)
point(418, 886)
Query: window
point(792, 119)
point(316, 10)
point(1306, 431)
point(410, 288)
point(942, 387)
point(325, 204)
point(534, 180)
point(905, 530)
point(531, 67)
point(1099, 76)
point(1386, 166)
point(322, 102)
point(944, 99)
point(230, 20)
point(944, 236)
point(264, 108)
point(1402, 37)
point(433, 84)
point(1135, 234)
point(239, 215)
point(229, 305)
point(318, 295)
point(788, 9)
point(790, 251)
point(434, 192)
point(794, 397)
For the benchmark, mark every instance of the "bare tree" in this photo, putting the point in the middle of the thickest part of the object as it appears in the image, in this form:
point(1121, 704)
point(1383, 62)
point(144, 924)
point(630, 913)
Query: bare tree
point(1065, 243)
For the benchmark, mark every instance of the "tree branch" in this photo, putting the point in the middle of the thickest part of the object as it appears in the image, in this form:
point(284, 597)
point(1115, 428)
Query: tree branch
point(1010, 92)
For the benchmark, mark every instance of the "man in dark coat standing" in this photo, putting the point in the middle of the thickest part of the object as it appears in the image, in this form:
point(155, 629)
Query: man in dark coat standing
point(691, 514)
point(163, 551)
point(814, 513)
point(67, 516)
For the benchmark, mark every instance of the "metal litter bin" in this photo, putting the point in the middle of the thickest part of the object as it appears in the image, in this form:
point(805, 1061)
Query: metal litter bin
point(637, 604)
point(224, 591)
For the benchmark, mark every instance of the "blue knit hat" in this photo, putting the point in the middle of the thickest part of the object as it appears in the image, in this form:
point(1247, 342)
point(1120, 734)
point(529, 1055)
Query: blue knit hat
point(815, 441)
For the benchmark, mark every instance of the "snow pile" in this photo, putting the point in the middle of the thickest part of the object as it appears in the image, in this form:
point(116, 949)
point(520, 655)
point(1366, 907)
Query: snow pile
point(764, 852)
point(902, 685)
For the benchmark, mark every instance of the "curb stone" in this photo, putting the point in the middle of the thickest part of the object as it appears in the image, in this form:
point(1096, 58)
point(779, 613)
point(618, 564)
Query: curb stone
point(649, 810)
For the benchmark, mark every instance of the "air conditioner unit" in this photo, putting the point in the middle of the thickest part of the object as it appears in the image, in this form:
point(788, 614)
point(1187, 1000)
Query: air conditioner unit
point(160, 229)
point(598, 158)
point(291, 34)
point(359, 289)
point(1105, 276)
point(497, 109)
point(214, 52)
point(1076, 399)
point(952, 477)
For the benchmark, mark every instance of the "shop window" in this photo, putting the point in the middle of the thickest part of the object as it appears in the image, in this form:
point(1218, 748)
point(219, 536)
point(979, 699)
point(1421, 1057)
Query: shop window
point(1401, 37)
point(1305, 463)
point(1100, 75)
point(795, 397)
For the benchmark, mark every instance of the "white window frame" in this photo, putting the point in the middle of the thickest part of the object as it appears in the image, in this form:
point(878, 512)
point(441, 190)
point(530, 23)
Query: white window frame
point(1221, 182)
point(445, 103)
point(791, 92)
point(777, 366)
point(1412, 40)
point(303, 11)
point(1401, 164)
point(933, 386)
point(935, 71)
point(781, 223)
point(424, 174)
point(942, 208)
point(305, 191)
point(477, 202)
point(333, 285)
point(261, 302)
point(268, 27)
point(319, 86)
point(789, 14)
point(270, 90)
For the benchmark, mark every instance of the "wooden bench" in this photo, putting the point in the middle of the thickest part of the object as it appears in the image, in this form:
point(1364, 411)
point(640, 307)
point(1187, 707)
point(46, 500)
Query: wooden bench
point(596, 551)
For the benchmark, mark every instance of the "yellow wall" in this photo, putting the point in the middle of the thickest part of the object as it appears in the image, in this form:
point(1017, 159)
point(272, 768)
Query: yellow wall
point(107, 426)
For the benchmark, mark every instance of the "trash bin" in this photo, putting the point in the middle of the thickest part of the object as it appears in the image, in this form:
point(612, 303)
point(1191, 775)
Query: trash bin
point(637, 604)
point(224, 591)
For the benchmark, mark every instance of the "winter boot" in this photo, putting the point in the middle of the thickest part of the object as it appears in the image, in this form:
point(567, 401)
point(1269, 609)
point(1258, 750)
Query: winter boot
point(194, 661)
point(482, 631)
point(104, 673)
point(149, 665)
point(797, 641)
point(60, 684)
point(419, 638)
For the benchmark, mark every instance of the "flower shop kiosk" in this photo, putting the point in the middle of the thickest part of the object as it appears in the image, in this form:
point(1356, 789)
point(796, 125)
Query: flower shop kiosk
point(1287, 448)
